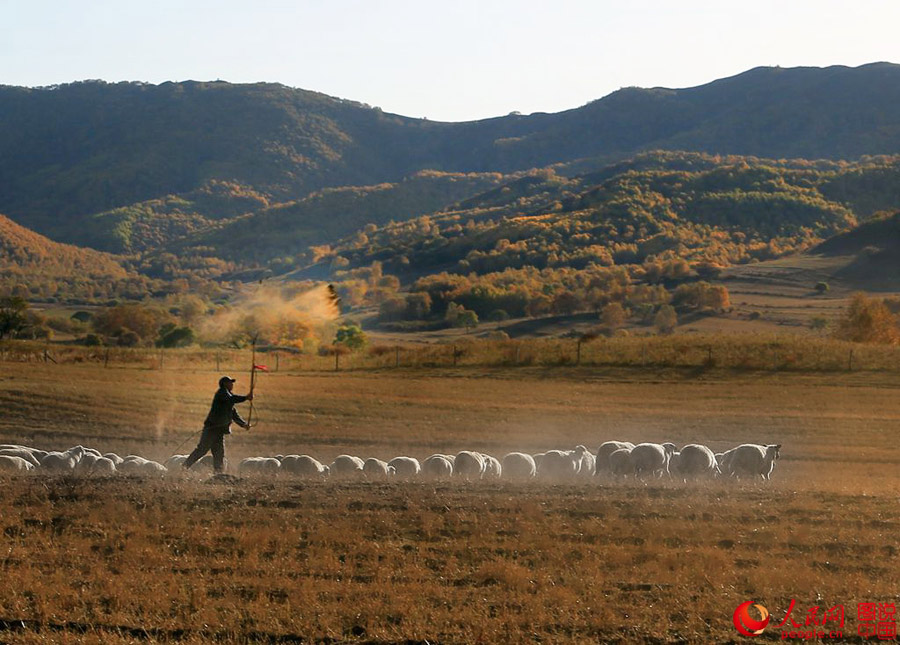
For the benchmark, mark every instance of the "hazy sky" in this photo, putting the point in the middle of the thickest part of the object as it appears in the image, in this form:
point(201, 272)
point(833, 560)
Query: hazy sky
point(452, 60)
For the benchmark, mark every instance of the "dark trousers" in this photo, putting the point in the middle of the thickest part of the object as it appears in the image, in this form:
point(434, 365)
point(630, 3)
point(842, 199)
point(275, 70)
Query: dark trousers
point(210, 440)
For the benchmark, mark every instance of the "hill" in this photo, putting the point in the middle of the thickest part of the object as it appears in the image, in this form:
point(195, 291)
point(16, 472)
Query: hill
point(72, 151)
point(874, 252)
point(241, 224)
point(48, 269)
point(40, 269)
point(635, 233)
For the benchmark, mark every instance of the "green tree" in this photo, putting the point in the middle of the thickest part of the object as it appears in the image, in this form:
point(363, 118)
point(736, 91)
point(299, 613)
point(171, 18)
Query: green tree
point(171, 335)
point(468, 319)
point(13, 315)
point(351, 336)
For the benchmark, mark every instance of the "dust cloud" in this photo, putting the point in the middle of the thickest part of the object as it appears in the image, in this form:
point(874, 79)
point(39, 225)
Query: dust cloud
point(276, 314)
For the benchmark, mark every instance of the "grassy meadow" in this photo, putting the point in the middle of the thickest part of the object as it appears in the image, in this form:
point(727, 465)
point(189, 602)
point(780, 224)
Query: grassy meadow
point(183, 560)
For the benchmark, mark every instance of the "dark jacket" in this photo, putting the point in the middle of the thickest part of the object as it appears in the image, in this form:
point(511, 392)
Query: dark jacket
point(222, 412)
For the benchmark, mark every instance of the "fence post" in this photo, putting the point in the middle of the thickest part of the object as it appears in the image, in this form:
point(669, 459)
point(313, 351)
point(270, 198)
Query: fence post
point(277, 360)
point(217, 362)
point(106, 358)
point(709, 355)
point(518, 349)
point(160, 359)
point(454, 356)
point(397, 356)
point(850, 361)
point(578, 352)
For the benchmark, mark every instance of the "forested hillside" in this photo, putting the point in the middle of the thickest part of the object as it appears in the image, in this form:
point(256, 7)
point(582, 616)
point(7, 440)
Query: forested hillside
point(70, 152)
point(33, 267)
point(546, 243)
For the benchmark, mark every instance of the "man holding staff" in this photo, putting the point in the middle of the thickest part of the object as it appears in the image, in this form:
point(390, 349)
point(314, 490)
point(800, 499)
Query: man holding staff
point(218, 424)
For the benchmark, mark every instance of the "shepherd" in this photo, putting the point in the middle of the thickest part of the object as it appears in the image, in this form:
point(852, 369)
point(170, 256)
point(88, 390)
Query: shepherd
point(218, 424)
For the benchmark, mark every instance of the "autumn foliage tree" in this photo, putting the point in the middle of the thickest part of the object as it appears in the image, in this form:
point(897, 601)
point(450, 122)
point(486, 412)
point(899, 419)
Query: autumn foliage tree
point(143, 322)
point(666, 319)
point(868, 320)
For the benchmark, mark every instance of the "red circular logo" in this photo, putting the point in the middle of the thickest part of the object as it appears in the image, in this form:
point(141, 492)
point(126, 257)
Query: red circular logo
point(747, 625)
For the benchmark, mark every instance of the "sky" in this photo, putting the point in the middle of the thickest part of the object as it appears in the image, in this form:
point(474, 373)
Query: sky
point(453, 60)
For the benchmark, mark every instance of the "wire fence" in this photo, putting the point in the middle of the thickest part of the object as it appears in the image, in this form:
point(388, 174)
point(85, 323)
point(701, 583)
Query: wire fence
point(740, 352)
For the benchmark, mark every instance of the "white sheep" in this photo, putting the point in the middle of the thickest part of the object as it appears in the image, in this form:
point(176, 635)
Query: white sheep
point(469, 465)
point(696, 460)
point(153, 468)
point(538, 462)
point(59, 462)
point(753, 460)
point(132, 465)
point(304, 466)
point(13, 464)
point(588, 465)
point(406, 467)
point(493, 469)
point(22, 453)
point(103, 466)
point(175, 463)
point(652, 458)
point(518, 465)
point(675, 465)
point(723, 460)
point(620, 462)
point(259, 467)
point(116, 459)
point(377, 469)
point(601, 460)
point(347, 466)
point(562, 464)
point(437, 467)
point(137, 465)
point(86, 463)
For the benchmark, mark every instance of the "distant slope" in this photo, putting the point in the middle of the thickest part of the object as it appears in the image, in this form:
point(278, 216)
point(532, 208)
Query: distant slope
point(881, 233)
point(86, 148)
point(30, 251)
point(658, 207)
point(875, 251)
point(156, 223)
point(50, 269)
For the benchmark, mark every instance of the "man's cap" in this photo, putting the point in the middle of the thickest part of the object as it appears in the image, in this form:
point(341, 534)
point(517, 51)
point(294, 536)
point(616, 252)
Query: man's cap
point(226, 379)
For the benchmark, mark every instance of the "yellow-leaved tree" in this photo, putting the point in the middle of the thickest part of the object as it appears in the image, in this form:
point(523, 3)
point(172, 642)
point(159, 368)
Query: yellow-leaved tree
point(868, 320)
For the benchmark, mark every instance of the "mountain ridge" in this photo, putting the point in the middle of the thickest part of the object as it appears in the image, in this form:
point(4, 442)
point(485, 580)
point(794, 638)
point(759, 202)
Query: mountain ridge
point(75, 150)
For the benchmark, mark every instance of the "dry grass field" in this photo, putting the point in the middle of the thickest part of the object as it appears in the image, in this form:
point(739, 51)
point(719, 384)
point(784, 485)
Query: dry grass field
point(183, 560)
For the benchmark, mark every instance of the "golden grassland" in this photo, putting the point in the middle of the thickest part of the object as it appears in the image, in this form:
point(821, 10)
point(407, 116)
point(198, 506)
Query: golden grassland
point(284, 561)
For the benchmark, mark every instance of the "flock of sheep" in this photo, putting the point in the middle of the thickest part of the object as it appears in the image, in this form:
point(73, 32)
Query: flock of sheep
point(613, 458)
